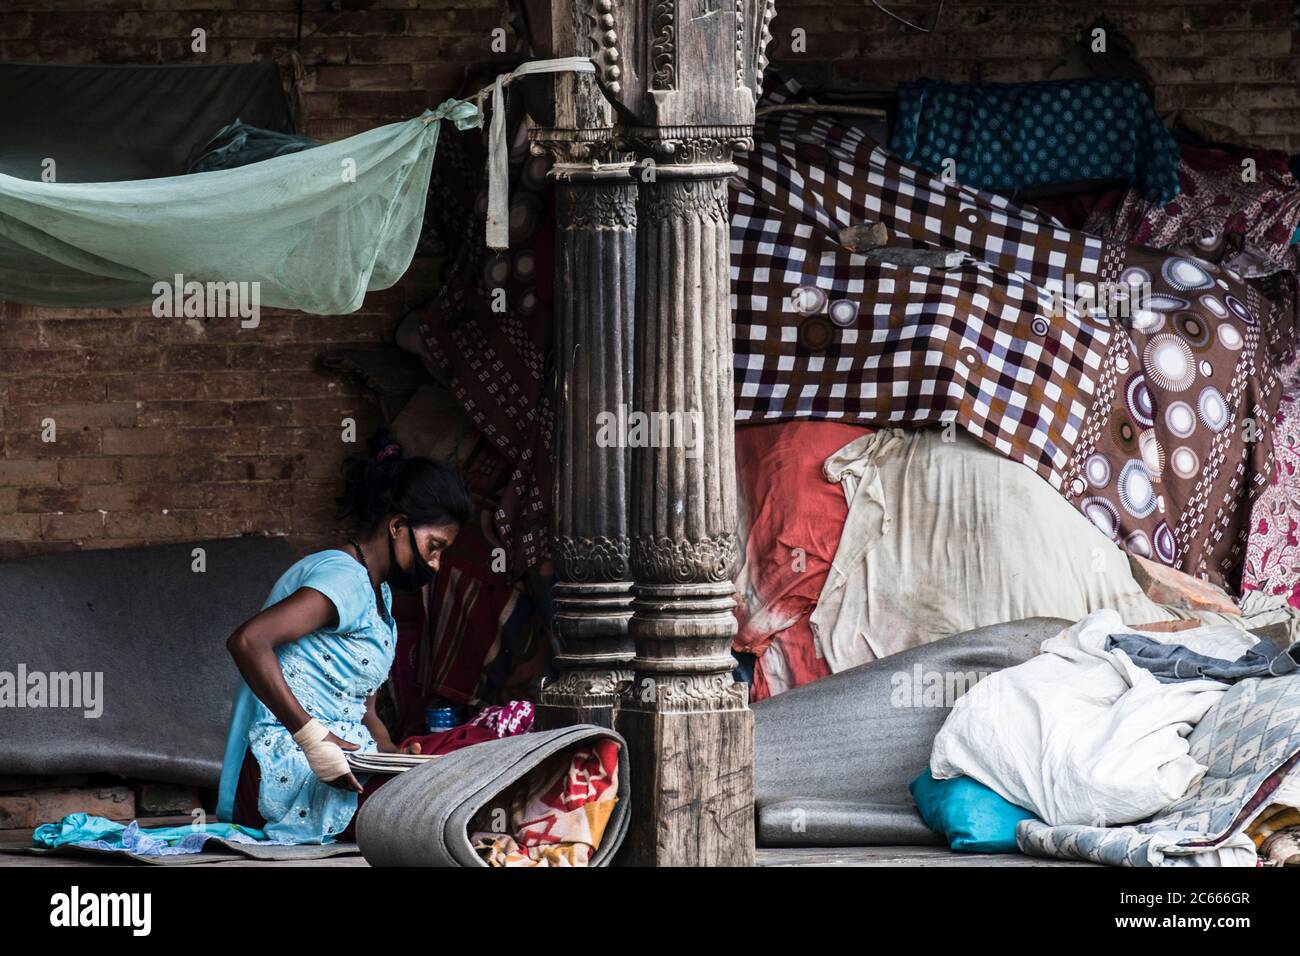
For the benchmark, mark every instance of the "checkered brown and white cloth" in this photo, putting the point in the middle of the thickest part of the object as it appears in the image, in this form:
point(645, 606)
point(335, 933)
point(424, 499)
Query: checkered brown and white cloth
point(1157, 426)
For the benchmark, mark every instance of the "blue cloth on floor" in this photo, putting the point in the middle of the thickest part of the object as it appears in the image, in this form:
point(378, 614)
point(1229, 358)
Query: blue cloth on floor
point(99, 833)
point(1007, 136)
point(1173, 663)
point(970, 816)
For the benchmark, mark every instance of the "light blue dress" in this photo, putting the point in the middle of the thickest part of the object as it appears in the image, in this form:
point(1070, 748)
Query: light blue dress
point(331, 671)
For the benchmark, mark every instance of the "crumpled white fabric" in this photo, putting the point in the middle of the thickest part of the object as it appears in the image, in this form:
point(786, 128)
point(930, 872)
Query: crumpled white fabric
point(1081, 735)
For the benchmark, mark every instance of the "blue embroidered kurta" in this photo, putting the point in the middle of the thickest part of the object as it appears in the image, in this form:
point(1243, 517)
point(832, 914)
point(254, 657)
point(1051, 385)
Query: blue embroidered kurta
point(331, 672)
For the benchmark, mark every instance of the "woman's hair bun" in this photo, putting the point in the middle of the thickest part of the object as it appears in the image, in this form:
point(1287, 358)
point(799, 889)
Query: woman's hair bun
point(384, 483)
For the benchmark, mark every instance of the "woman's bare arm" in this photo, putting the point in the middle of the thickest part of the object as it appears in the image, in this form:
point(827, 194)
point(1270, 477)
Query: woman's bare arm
point(253, 644)
point(383, 742)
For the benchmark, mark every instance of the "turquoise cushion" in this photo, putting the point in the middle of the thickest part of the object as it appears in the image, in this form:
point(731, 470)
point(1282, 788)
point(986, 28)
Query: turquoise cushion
point(968, 814)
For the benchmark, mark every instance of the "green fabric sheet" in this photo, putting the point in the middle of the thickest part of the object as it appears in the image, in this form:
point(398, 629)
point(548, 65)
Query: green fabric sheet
point(316, 230)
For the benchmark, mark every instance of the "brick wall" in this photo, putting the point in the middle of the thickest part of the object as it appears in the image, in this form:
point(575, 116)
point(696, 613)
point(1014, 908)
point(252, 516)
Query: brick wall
point(173, 430)
point(169, 429)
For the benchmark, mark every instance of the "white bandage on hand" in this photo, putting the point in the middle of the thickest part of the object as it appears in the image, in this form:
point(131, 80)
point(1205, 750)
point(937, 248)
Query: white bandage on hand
point(326, 758)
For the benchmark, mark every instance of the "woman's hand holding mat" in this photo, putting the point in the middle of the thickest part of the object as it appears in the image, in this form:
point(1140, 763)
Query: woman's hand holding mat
point(324, 753)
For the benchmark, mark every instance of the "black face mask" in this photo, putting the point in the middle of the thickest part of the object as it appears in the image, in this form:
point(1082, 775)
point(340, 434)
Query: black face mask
point(402, 579)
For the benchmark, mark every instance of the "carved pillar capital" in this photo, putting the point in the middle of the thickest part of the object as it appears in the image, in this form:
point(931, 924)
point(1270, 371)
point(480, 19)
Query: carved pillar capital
point(690, 145)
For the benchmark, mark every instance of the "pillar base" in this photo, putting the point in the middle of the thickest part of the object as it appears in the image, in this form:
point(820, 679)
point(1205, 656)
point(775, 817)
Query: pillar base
point(692, 787)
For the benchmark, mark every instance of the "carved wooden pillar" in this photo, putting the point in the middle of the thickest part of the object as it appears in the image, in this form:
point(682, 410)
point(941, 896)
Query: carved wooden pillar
point(595, 270)
point(685, 75)
point(688, 71)
point(687, 722)
point(595, 275)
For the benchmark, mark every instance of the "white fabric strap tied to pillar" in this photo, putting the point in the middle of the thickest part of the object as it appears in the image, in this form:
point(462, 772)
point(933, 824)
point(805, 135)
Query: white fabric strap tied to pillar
point(498, 212)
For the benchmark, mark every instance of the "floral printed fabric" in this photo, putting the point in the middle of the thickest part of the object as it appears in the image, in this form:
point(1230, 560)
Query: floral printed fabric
point(507, 720)
point(1273, 549)
point(1246, 224)
point(558, 815)
point(1007, 136)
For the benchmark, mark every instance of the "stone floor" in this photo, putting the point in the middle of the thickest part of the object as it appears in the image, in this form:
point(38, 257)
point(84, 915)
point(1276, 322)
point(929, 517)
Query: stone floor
point(885, 856)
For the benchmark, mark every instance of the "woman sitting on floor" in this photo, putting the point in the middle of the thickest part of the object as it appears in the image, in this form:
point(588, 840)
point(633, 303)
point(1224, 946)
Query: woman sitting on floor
point(323, 644)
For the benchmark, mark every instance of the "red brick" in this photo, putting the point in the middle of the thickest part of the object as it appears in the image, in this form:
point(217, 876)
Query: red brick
point(43, 500)
point(195, 357)
point(136, 441)
point(155, 413)
point(16, 527)
point(26, 472)
point(70, 444)
point(72, 388)
point(31, 358)
point(29, 809)
point(71, 527)
point(71, 417)
point(88, 471)
point(1254, 43)
point(392, 76)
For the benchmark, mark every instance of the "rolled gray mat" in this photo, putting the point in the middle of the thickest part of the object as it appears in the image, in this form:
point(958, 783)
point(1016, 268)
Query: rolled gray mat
point(842, 823)
point(859, 737)
point(422, 817)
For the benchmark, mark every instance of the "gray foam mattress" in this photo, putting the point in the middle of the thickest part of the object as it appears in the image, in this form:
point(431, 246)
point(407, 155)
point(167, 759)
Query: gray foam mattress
point(154, 630)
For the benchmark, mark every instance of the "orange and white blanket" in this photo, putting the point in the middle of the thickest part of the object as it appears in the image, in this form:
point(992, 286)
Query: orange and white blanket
point(558, 815)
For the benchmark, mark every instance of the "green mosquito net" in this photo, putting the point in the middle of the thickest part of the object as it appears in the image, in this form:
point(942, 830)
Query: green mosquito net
point(315, 230)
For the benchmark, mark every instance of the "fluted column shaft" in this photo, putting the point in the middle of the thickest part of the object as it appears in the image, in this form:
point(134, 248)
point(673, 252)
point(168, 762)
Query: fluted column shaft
point(594, 309)
point(686, 720)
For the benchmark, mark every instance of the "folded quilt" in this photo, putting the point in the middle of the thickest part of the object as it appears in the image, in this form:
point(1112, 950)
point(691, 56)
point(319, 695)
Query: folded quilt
point(1138, 421)
point(558, 815)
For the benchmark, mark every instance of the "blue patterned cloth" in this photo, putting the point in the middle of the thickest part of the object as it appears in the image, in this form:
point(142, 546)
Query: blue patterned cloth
point(1008, 136)
point(100, 833)
point(331, 672)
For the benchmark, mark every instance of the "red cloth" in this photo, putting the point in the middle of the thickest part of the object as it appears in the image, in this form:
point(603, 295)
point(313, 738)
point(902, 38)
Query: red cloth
point(402, 689)
point(444, 742)
point(795, 517)
point(469, 605)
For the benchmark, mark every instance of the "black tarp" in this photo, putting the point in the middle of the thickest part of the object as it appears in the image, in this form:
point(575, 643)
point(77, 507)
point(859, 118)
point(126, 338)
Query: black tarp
point(115, 123)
